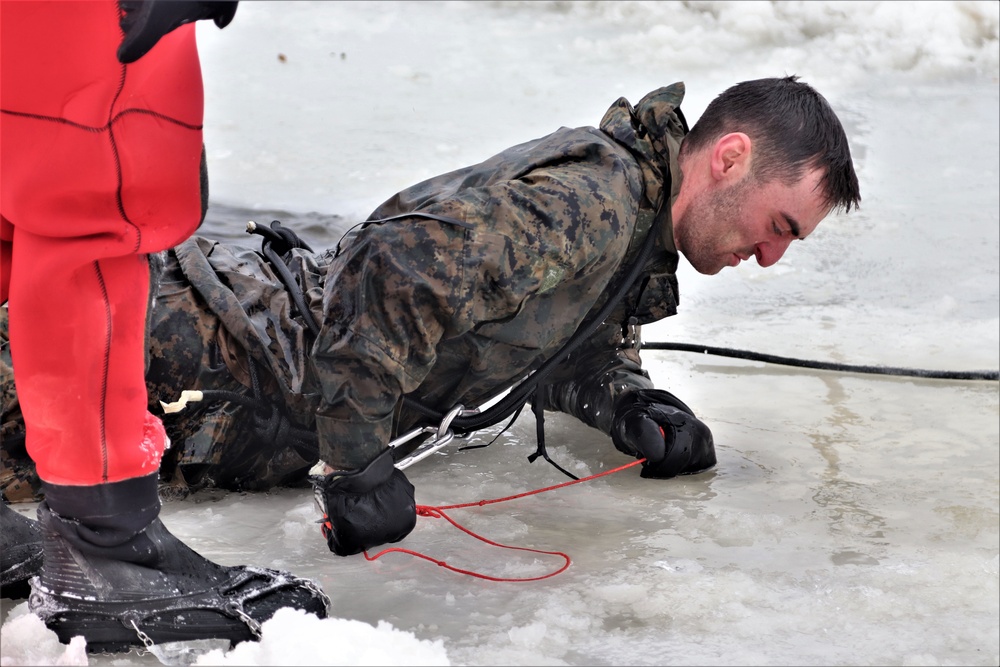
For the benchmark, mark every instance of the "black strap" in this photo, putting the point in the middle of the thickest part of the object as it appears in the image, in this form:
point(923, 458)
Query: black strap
point(421, 214)
point(538, 408)
point(414, 214)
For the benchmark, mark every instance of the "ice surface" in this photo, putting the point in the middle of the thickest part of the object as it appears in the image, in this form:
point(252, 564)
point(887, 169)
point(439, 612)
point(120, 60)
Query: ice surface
point(852, 519)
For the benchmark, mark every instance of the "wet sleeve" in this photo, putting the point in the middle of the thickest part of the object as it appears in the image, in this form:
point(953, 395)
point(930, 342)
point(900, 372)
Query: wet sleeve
point(389, 297)
point(591, 380)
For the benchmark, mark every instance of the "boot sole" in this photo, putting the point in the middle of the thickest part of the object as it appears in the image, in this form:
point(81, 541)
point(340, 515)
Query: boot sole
point(108, 626)
point(14, 582)
point(110, 635)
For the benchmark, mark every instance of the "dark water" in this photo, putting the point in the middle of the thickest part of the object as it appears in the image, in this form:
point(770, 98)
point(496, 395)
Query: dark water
point(228, 223)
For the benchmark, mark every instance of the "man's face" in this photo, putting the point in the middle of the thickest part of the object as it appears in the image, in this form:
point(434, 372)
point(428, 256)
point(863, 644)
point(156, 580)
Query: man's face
point(729, 223)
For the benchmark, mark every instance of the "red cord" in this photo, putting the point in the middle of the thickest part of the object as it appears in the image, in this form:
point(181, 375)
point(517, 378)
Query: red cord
point(438, 511)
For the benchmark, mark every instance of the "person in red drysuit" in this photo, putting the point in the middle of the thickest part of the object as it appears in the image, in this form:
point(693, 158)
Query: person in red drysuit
point(102, 163)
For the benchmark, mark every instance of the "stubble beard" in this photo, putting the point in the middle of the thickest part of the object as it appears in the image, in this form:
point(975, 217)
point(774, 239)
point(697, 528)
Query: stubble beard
point(708, 234)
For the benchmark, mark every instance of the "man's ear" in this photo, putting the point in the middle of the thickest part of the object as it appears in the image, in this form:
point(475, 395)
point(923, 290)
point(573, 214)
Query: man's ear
point(730, 158)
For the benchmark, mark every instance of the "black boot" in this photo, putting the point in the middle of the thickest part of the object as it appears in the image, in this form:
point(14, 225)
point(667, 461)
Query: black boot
point(20, 553)
point(121, 579)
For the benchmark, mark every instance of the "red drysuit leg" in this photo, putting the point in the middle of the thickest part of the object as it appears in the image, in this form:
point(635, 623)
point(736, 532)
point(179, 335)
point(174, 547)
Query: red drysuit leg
point(79, 332)
point(100, 165)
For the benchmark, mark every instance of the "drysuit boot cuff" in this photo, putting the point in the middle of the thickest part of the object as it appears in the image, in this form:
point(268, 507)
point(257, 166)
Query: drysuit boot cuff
point(116, 510)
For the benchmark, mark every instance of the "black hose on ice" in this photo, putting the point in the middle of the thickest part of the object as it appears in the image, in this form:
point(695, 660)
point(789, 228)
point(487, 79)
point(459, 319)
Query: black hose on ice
point(824, 365)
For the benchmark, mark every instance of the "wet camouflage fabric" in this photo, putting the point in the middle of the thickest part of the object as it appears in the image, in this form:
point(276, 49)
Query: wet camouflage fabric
point(17, 473)
point(448, 314)
point(242, 439)
point(442, 313)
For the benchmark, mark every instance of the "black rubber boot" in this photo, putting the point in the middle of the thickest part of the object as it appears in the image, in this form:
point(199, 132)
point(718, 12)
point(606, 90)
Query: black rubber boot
point(120, 585)
point(20, 553)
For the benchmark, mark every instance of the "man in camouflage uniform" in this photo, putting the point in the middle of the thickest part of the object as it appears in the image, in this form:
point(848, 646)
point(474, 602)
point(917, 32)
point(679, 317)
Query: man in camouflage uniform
point(462, 285)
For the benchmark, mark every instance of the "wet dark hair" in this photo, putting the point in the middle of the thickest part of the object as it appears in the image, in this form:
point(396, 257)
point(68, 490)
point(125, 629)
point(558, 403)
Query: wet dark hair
point(793, 129)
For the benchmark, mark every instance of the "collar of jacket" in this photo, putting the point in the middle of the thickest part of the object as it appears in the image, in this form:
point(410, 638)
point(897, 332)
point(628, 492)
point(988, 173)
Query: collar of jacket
point(652, 131)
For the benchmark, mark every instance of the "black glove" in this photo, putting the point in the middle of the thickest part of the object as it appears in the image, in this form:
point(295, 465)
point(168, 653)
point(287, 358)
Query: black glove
point(366, 508)
point(145, 21)
point(656, 425)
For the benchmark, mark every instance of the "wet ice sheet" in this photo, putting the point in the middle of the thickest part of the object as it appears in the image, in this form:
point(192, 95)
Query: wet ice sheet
point(840, 527)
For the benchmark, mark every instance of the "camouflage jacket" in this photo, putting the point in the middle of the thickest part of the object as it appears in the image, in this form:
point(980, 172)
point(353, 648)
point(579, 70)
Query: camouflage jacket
point(450, 314)
point(441, 312)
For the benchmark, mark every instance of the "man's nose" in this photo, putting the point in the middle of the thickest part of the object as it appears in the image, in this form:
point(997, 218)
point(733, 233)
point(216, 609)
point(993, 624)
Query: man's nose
point(770, 252)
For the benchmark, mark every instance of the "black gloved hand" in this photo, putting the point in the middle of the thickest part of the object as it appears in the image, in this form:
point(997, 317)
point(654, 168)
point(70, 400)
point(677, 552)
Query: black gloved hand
point(366, 508)
point(656, 425)
point(145, 21)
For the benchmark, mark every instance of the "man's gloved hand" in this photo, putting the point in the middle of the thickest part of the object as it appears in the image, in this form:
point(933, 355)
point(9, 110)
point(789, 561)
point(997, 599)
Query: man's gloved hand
point(366, 508)
point(656, 425)
point(144, 22)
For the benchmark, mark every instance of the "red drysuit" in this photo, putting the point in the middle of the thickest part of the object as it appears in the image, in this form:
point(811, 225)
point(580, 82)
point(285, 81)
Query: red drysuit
point(100, 166)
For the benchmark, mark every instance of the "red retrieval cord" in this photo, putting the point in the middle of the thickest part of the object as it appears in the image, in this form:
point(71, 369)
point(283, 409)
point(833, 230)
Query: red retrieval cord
point(438, 512)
